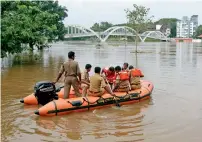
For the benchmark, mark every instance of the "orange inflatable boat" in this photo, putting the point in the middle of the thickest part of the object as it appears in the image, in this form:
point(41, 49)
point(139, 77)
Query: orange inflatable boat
point(66, 106)
point(33, 100)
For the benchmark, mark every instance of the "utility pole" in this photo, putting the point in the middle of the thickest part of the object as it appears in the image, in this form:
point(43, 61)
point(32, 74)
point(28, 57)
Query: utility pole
point(125, 43)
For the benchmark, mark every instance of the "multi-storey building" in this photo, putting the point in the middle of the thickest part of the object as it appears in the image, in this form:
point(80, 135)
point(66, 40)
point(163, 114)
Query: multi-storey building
point(194, 19)
point(186, 27)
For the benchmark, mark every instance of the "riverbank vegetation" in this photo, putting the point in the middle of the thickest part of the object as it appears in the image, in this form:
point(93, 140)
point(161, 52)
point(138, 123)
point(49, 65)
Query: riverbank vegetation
point(25, 24)
point(29, 24)
point(168, 22)
point(100, 27)
point(198, 31)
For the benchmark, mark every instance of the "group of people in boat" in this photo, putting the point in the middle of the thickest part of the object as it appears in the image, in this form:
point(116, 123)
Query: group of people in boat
point(110, 79)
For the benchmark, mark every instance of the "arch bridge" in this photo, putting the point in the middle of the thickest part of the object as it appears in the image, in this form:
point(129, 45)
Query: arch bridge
point(74, 31)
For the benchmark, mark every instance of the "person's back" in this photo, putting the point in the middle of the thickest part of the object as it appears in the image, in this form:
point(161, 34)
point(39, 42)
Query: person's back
point(122, 83)
point(134, 78)
point(97, 84)
point(71, 70)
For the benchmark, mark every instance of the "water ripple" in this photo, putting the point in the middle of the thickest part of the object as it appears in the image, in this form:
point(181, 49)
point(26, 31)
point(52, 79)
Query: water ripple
point(174, 113)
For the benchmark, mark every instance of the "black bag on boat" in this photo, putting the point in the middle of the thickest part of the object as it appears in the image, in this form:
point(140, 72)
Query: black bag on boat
point(45, 92)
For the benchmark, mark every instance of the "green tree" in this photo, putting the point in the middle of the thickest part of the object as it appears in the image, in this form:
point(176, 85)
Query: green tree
point(53, 7)
point(105, 25)
point(138, 19)
point(170, 22)
point(166, 21)
point(30, 22)
point(173, 30)
point(98, 27)
point(198, 31)
point(124, 24)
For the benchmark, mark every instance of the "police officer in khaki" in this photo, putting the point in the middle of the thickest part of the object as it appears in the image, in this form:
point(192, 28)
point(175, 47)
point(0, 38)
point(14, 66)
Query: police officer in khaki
point(71, 70)
point(85, 82)
point(98, 85)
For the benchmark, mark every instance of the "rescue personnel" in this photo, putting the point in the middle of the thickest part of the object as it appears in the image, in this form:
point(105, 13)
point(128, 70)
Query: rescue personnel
point(109, 74)
point(97, 84)
point(71, 71)
point(85, 82)
point(135, 75)
point(125, 67)
point(122, 83)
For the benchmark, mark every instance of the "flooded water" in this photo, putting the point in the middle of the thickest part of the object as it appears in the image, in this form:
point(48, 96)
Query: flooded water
point(173, 114)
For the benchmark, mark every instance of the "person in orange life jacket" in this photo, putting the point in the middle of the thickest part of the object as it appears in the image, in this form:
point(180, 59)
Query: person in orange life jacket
point(97, 84)
point(121, 83)
point(109, 74)
point(138, 72)
point(125, 67)
point(85, 82)
point(135, 75)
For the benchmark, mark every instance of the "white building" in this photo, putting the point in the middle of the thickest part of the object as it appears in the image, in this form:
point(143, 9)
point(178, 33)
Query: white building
point(185, 28)
point(158, 27)
point(194, 19)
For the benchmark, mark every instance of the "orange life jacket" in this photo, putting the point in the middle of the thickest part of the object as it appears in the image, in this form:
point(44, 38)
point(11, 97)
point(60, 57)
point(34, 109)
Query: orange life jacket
point(136, 73)
point(124, 75)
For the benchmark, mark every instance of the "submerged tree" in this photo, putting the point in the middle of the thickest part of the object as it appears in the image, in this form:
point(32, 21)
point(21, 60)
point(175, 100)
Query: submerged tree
point(30, 23)
point(138, 19)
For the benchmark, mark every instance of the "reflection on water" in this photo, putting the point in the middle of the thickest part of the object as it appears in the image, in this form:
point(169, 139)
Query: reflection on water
point(174, 113)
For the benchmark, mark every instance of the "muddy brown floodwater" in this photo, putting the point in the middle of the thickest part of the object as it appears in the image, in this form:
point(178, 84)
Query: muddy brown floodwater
point(173, 114)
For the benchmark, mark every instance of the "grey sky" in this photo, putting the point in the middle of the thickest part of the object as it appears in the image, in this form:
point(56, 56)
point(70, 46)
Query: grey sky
point(87, 12)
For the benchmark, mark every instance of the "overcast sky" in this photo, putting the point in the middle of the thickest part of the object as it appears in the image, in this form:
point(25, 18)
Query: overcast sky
point(87, 12)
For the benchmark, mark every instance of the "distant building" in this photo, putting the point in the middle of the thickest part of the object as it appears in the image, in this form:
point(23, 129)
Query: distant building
point(186, 27)
point(194, 19)
point(158, 27)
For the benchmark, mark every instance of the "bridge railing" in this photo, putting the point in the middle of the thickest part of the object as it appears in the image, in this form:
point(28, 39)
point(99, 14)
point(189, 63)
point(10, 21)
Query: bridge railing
point(79, 31)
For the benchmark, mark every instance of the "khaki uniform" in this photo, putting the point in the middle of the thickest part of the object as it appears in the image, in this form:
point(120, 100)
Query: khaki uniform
point(85, 77)
point(135, 82)
point(97, 84)
point(71, 70)
point(123, 86)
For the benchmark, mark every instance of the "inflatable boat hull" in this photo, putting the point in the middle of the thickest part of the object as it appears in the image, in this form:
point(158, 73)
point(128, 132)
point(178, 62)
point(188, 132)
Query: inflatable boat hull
point(66, 106)
point(32, 100)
